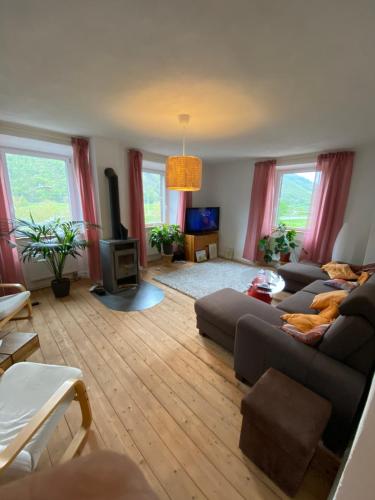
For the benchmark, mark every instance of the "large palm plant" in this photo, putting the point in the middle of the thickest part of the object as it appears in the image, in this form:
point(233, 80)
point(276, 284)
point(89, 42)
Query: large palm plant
point(52, 242)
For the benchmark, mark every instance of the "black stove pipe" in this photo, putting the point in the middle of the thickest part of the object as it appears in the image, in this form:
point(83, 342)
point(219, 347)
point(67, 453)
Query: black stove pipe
point(119, 232)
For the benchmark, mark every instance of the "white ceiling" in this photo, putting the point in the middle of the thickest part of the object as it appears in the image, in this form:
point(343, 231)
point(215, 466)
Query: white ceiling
point(259, 77)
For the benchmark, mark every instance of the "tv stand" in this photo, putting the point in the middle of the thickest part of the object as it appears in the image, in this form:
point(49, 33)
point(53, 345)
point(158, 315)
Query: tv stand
point(194, 242)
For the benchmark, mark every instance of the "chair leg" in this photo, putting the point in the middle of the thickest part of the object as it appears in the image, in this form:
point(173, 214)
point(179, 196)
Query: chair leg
point(81, 435)
point(29, 308)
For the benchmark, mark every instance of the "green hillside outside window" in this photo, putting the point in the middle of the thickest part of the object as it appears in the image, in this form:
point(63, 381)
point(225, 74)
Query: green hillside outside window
point(38, 184)
point(295, 194)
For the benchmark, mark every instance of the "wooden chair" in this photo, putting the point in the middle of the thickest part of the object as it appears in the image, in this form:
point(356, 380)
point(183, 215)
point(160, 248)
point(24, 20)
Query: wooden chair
point(11, 305)
point(33, 399)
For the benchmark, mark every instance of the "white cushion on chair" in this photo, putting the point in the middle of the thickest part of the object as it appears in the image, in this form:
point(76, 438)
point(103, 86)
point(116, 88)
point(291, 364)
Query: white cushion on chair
point(24, 389)
point(10, 303)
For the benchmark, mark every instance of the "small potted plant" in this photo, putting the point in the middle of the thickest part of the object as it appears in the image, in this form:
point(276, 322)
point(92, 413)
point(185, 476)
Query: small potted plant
point(266, 245)
point(165, 236)
point(52, 242)
point(285, 242)
point(280, 242)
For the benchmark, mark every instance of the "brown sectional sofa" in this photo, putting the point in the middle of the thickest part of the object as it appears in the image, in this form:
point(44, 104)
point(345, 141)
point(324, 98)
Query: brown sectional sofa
point(337, 369)
point(297, 275)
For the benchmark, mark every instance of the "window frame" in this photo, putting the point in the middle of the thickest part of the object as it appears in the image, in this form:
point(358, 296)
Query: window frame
point(288, 169)
point(73, 193)
point(165, 208)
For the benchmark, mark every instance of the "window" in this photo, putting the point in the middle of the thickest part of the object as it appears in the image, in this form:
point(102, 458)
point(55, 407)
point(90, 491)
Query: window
point(294, 193)
point(160, 204)
point(41, 184)
point(154, 197)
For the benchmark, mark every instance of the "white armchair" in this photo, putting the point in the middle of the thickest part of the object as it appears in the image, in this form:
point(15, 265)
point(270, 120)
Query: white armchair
point(11, 305)
point(33, 399)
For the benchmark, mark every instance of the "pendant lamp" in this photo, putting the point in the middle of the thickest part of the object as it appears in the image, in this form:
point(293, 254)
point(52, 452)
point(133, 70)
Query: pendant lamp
point(183, 173)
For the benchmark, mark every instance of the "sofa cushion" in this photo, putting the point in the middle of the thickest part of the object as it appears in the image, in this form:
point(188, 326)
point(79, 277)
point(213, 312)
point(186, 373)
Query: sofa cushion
point(311, 337)
point(371, 280)
point(346, 335)
point(305, 322)
point(339, 270)
point(360, 302)
point(298, 303)
point(225, 307)
point(302, 273)
point(318, 286)
point(324, 300)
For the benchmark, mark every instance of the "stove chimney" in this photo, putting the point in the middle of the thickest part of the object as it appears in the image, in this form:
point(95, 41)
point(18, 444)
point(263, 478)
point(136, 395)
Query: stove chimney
point(119, 232)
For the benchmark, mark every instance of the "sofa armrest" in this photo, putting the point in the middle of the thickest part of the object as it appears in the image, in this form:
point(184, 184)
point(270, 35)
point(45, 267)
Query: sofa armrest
point(260, 346)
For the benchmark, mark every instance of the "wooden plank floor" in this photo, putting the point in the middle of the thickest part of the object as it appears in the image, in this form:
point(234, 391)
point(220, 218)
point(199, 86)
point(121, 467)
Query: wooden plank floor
point(160, 393)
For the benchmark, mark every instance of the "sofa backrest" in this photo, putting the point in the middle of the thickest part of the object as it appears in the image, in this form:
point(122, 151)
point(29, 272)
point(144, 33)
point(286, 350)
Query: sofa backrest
point(351, 338)
point(345, 341)
point(360, 302)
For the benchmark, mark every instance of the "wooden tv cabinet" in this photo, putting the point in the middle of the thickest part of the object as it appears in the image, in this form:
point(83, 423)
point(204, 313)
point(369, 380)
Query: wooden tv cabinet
point(194, 242)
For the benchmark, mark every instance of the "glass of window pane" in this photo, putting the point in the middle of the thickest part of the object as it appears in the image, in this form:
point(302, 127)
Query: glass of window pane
point(39, 185)
point(153, 197)
point(296, 191)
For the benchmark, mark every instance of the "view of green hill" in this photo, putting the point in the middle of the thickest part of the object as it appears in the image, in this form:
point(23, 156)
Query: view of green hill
point(38, 185)
point(295, 200)
point(151, 197)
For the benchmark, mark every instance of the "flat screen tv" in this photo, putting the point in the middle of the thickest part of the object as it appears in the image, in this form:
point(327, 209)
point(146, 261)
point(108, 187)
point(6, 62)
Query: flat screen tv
point(202, 220)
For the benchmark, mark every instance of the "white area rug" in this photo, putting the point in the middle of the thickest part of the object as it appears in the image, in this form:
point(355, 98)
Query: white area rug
point(208, 277)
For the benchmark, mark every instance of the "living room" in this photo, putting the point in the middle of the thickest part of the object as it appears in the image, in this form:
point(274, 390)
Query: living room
point(187, 248)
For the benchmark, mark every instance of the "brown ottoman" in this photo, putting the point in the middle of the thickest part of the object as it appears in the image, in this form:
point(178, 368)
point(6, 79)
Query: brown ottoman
point(281, 427)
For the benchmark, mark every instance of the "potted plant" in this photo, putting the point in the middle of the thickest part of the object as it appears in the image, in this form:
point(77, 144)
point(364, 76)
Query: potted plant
point(281, 241)
point(285, 242)
point(266, 245)
point(165, 236)
point(52, 242)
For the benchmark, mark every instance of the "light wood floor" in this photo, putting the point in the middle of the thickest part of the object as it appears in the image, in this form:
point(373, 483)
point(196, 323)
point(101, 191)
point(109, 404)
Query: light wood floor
point(160, 393)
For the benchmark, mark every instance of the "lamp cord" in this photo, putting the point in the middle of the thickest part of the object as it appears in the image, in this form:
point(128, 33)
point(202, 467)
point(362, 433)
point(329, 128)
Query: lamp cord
point(183, 139)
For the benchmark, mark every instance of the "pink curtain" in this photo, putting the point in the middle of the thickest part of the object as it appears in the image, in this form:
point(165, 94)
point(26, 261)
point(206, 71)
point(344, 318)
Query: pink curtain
point(327, 215)
point(261, 207)
point(185, 201)
point(83, 171)
point(10, 264)
point(137, 214)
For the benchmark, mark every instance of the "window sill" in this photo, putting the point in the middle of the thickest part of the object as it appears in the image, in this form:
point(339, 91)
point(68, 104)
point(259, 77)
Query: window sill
point(157, 224)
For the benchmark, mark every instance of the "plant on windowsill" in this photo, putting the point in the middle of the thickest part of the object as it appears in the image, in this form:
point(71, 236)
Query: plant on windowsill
point(165, 236)
point(281, 242)
point(52, 242)
point(285, 242)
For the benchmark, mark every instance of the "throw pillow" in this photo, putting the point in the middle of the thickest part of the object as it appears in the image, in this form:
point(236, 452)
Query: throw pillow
point(330, 313)
point(364, 276)
point(340, 271)
point(324, 300)
point(311, 337)
point(342, 284)
point(305, 322)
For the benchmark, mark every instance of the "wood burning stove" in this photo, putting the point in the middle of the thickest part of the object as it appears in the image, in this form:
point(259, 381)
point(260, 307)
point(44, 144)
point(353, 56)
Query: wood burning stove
point(119, 256)
point(119, 264)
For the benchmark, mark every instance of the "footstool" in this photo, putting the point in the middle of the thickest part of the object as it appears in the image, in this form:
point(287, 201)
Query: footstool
point(281, 427)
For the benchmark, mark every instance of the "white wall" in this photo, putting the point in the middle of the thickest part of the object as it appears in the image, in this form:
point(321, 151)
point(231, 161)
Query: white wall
point(228, 185)
point(358, 245)
point(357, 479)
point(108, 153)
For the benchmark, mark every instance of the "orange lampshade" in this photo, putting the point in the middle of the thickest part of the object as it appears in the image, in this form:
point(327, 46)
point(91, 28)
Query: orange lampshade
point(184, 173)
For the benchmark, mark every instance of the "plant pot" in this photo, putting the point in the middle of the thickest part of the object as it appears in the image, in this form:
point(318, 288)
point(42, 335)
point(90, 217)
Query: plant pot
point(61, 287)
point(167, 249)
point(285, 257)
point(166, 259)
